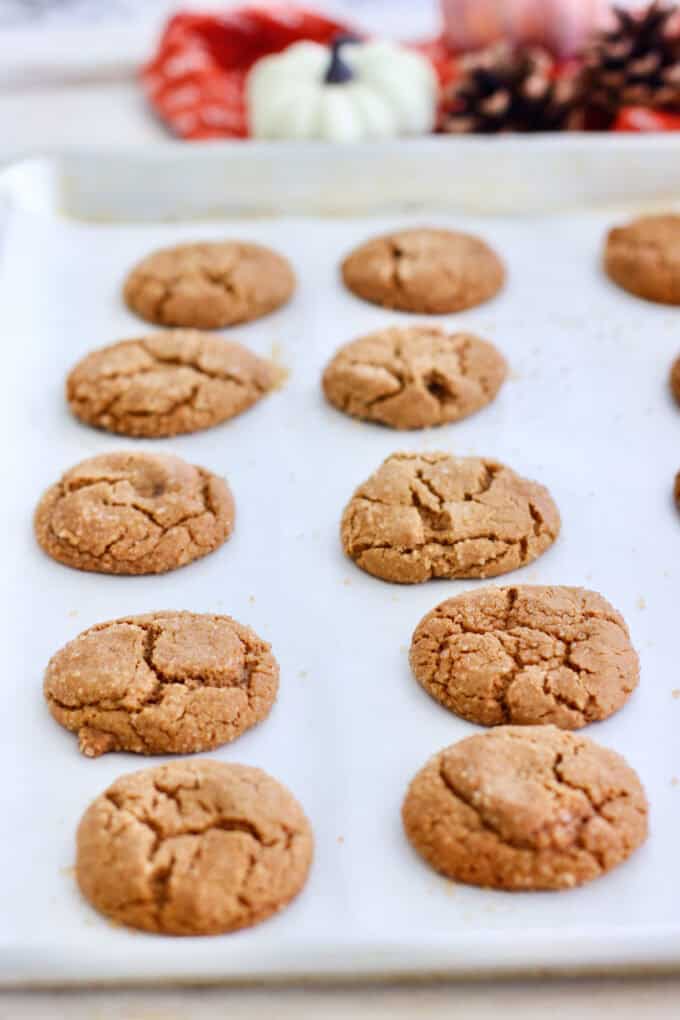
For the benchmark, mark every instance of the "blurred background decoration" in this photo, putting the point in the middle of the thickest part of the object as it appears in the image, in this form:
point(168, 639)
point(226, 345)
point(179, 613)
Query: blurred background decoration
point(495, 66)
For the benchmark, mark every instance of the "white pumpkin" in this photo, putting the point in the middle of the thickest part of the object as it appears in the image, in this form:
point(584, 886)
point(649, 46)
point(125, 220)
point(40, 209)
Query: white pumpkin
point(350, 92)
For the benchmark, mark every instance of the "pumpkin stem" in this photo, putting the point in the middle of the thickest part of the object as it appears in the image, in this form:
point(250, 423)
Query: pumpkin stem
point(338, 71)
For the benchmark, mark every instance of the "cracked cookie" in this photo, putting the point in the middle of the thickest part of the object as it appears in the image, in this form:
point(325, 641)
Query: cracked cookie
point(424, 270)
point(422, 516)
point(162, 683)
point(522, 808)
point(414, 377)
point(193, 848)
point(209, 285)
point(643, 258)
point(134, 513)
point(167, 384)
point(530, 654)
point(675, 380)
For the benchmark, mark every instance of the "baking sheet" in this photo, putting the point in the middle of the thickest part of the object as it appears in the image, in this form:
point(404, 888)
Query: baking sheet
point(586, 411)
point(478, 174)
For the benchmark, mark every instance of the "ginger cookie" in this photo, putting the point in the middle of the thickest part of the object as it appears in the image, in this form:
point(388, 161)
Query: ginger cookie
point(675, 380)
point(525, 807)
point(422, 516)
point(163, 683)
point(167, 384)
point(193, 848)
point(643, 257)
point(424, 270)
point(209, 285)
point(530, 654)
point(414, 377)
point(134, 513)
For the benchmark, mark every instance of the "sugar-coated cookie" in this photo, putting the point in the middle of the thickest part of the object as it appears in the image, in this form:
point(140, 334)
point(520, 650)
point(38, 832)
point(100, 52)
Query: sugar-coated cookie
point(525, 807)
point(530, 654)
point(421, 516)
point(643, 257)
point(209, 285)
point(193, 848)
point(167, 384)
point(414, 377)
point(675, 379)
point(134, 513)
point(162, 683)
point(424, 270)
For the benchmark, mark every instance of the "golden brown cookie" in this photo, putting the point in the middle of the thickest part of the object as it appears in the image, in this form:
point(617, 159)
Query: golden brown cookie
point(193, 848)
point(424, 270)
point(643, 257)
point(167, 383)
point(209, 285)
point(529, 654)
point(525, 807)
point(163, 683)
point(430, 515)
point(675, 380)
point(134, 513)
point(414, 377)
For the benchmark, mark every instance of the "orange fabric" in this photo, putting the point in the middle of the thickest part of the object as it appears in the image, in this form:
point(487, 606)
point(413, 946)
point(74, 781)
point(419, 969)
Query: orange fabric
point(195, 82)
point(641, 118)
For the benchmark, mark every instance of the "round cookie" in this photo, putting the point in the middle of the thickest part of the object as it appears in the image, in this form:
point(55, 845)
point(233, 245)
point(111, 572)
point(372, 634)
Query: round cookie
point(193, 848)
point(209, 285)
point(167, 384)
point(525, 807)
point(424, 270)
point(163, 683)
point(675, 380)
point(134, 513)
point(643, 258)
point(527, 655)
point(414, 377)
point(422, 516)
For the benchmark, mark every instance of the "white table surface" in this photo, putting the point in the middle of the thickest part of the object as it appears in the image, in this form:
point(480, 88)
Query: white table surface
point(630, 999)
point(42, 108)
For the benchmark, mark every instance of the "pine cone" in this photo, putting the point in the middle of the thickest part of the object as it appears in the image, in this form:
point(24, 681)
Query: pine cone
point(506, 88)
point(635, 63)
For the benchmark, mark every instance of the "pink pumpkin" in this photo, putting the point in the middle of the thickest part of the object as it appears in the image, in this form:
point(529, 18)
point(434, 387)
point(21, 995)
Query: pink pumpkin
point(562, 26)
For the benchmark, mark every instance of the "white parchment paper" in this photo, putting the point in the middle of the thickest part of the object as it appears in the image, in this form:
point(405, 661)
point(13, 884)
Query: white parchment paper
point(586, 411)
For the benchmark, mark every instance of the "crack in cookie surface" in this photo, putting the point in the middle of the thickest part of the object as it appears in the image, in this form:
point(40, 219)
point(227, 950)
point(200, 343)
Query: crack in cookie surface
point(193, 848)
point(128, 513)
point(525, 808)
point(528, 655)
point(422, 516)
point(414, 377)
point(164, 683)
point(167, 384)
